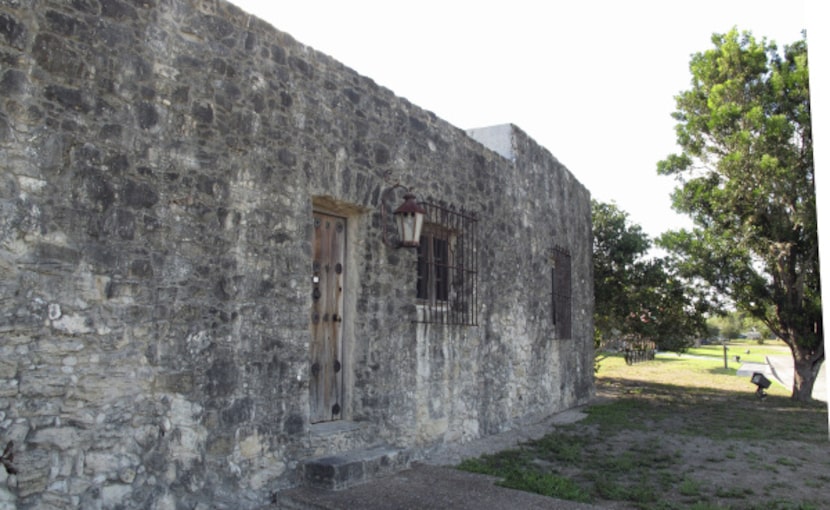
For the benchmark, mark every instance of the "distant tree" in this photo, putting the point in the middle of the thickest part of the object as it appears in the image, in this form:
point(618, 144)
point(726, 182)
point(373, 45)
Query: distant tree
point(636, 297)
point(729, 325)
point(747, 180)
point(735, 323)
point(754, 324)
point(713, 332)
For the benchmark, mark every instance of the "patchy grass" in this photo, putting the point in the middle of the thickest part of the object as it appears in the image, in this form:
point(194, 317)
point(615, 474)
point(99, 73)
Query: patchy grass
point(677, 433)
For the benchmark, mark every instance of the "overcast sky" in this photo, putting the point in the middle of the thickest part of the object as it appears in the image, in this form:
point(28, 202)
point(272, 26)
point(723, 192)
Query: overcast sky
point(594, 82)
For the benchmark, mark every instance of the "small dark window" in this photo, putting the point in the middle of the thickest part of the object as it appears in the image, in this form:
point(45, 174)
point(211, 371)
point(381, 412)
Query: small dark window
point(561, 292)
point(447, 267)
point(433, 268)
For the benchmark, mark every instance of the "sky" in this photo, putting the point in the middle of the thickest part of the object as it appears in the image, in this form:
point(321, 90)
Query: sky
point(592, 81)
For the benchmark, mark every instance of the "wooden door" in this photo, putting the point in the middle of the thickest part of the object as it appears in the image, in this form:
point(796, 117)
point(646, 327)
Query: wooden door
point(326, 386)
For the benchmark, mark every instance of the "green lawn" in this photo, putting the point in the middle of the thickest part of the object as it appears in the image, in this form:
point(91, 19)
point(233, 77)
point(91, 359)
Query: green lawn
point(700, 367)
point(757, 352)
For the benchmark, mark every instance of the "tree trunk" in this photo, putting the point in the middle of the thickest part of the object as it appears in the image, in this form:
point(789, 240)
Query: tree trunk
point(805, 373)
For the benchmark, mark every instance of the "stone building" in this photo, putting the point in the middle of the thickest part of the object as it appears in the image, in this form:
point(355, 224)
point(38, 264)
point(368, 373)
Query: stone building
point(202, 289)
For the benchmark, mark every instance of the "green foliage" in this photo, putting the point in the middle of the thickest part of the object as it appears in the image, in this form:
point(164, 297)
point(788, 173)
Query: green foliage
point(560, 448)
point(689, 487)
point(639, 298)
point(729, 326)
point(506, 461)
point(736, 324)
point(518, 472)
point(546, 484)
point(618, 248)
point(747, 180)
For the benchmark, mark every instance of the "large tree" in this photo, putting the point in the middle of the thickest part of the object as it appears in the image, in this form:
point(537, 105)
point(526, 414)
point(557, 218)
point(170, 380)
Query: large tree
point(618, 250)
point(639, 297)
point(747, 180)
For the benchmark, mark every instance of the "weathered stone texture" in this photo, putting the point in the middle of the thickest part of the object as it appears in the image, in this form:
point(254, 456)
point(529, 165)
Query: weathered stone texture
point(159, 164)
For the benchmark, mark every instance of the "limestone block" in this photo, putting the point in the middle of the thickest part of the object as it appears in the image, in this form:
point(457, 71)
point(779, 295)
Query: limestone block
point(74, 324)
point(264, 471)
point(58, 346)
point(9, 387)
point(7, 500)
point(62, 438)
point(113, 495)
point(166, 502)
point(8, 369)
point(103, 464)
point(80, 417)
point(32, 472)
point(127, 475)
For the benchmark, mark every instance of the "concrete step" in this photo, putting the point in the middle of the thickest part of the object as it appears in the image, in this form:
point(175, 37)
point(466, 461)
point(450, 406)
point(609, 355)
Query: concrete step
point(337, 436)
point(341, 471)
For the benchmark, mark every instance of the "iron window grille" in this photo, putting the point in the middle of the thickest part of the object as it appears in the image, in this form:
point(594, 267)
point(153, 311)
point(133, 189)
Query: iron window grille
point(447, 267)
point(561, 292)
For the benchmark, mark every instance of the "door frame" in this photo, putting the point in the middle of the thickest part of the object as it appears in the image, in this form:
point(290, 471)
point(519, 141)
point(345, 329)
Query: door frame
point(357, 218)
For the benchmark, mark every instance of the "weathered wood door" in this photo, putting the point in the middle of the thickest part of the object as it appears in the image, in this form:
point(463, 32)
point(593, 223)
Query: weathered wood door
point(326, 386)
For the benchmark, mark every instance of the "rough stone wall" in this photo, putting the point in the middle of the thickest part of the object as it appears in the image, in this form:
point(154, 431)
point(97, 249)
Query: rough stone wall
point(159, 164)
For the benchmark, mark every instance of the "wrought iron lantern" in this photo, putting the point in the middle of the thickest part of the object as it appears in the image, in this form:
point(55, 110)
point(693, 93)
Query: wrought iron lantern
point(409, 218)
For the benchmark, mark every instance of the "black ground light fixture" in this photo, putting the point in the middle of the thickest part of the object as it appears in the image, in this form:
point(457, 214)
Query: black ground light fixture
point(761, 382)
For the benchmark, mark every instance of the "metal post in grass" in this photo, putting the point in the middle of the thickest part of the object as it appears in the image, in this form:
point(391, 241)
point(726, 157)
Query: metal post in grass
point(725, 360)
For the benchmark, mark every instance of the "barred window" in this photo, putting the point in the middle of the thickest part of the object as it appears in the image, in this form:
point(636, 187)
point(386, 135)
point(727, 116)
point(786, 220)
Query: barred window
point(447, 267)
point(434, 265)
point(561, 292)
